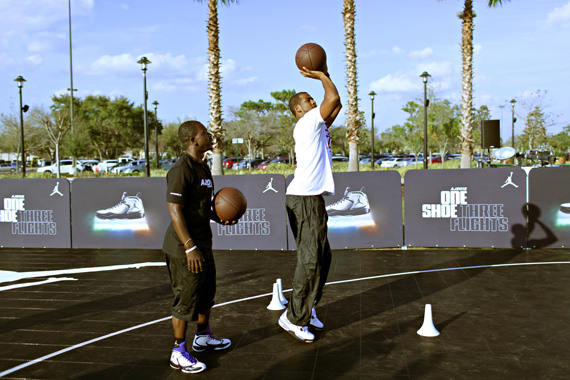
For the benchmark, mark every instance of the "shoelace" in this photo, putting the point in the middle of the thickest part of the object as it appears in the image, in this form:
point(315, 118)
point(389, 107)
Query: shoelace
point(340, 201)
point(218, 341)
point(189, 357)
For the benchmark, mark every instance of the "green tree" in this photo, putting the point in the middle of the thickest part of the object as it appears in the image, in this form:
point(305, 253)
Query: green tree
point(168, 139)
point(112, 126)
point(534, 133)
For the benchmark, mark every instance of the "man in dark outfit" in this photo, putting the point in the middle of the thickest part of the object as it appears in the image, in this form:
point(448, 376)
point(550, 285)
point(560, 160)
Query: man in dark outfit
point(188, 247)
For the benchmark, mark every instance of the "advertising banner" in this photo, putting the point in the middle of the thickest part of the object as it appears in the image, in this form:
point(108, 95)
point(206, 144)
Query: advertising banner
point(119, 212)
point(364, 212)
point(264, 225)
point(465, 208)
point(549, 207)
point(35, 213)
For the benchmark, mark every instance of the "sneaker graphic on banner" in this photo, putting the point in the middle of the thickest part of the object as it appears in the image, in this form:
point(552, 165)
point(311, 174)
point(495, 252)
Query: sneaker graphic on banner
point(352, 203)
point(130, 207)
point(182, 360)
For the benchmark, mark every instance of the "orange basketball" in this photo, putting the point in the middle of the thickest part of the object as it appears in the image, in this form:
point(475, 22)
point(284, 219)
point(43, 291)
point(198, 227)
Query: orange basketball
point(230, 204)
point(312, 56)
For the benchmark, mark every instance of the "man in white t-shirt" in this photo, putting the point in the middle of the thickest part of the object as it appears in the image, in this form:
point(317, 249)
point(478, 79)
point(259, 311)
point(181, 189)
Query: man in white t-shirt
point(305, 204)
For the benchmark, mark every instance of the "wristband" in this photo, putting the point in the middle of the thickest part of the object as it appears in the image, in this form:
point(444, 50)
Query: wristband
point(191, 249)
point(187, 241)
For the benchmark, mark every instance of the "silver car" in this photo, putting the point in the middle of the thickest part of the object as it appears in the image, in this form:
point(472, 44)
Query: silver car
point(130, 167)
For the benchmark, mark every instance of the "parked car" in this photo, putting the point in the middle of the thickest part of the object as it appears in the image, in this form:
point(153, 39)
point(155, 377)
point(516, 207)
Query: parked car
point(167, 164)
point(89, 164)
point(105, 166)
point(278, 160)
point(339, 159)
point(7, 168)
point(131, 167)
point(395, 162)
point(65, 167)
point(229, 162)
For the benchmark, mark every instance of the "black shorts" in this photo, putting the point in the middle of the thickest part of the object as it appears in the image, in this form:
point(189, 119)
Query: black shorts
point(193, 292)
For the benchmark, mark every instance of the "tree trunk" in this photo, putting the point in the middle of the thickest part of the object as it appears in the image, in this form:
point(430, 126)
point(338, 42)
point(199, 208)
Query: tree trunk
point(353, 120)
point(214, 82)
point(467, 84)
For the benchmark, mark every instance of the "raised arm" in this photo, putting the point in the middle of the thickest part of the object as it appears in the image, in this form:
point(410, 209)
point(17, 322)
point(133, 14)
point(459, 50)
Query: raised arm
point(330, 107)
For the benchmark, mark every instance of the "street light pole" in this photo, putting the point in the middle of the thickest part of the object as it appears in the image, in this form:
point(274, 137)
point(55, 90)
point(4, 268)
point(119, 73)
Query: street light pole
point(372, 94)
point(513, 129)
point(155, 103)
point(21, 81)
point(425, 77)
point(144, 61)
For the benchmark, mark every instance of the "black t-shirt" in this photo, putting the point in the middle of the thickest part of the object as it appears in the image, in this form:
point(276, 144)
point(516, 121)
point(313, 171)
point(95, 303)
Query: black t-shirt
point(189, 182)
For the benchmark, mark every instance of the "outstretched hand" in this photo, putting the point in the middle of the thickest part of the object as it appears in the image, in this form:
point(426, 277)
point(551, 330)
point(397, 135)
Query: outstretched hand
point(314, 74)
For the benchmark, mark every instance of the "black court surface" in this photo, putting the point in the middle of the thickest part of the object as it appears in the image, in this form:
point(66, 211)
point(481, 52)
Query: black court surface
point(92, 314)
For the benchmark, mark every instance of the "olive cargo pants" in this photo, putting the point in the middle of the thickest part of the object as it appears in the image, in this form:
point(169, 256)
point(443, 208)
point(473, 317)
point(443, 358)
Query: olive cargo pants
point(308, 220)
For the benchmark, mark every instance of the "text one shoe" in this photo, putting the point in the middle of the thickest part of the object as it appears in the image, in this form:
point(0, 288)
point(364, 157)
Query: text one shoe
point(299, 332)
point(182, 360)
point(206, 341)
point(315, 321)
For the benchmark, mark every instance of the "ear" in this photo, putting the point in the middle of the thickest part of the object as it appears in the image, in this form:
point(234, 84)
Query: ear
point(298, 109)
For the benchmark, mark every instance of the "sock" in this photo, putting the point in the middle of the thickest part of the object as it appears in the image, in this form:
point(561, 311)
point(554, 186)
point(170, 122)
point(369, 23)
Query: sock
point(200, 328)
point(178, 341)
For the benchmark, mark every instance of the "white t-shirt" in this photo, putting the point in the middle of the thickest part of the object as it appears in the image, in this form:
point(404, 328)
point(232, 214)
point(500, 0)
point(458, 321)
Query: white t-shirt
point(313, 175)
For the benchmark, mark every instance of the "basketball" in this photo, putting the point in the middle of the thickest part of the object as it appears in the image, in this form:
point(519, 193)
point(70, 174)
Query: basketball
point(311, 56)
point(230, 204)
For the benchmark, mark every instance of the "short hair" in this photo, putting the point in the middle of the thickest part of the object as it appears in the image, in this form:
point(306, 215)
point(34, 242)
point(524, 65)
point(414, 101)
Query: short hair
point(187, 130)
point(295, 101)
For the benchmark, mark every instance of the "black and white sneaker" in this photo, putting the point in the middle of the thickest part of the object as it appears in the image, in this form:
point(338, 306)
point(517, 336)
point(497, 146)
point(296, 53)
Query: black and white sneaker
point(130, 207)
point(299, 332)
point(182, 360)
point(206, 341)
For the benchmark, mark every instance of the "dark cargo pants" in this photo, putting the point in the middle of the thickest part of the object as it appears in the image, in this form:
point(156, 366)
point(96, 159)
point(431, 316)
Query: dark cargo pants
point(308, 220)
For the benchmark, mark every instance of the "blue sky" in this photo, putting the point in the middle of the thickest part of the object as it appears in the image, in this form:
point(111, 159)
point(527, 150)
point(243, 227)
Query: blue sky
point(520, 48)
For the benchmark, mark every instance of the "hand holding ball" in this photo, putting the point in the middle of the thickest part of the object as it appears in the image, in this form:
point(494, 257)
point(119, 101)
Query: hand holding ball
point(311, 56)
point(229, 204)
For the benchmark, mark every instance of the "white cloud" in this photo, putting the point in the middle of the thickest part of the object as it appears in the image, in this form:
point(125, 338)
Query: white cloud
point(436, 69)
point(35, 60)
point(398, 82)
point(477, 49)
point(397, 50)
point(560, 15)
point(421, 54)
point(161, 64)
point(246, 81)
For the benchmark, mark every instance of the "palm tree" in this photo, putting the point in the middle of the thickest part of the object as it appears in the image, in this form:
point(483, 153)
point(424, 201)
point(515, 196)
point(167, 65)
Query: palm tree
point(214, 83)
point(353, 121)
point(467, 17)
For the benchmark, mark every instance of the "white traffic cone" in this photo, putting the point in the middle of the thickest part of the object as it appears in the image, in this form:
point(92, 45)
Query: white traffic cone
point(275, 303)
point(280, 292)
point(428, 329)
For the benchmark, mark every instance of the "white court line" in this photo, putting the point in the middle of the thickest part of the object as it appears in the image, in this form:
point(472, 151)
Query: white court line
point(71, 348)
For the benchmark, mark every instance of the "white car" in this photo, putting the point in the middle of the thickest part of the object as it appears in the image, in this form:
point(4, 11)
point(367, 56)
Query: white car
point(395, 162)
point(105, 166)
point(65, 167)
